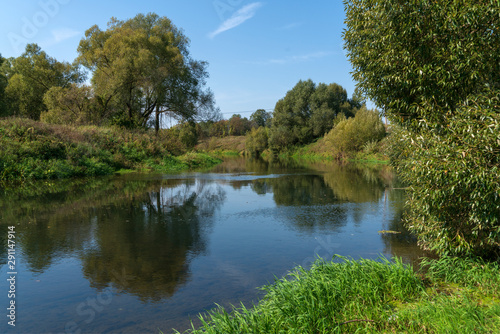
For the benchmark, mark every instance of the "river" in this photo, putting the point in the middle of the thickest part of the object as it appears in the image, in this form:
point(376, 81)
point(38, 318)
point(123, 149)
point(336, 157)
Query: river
point(148, 252)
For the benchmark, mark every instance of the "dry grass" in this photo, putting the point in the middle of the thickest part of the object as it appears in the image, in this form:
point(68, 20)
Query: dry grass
point(229, 143)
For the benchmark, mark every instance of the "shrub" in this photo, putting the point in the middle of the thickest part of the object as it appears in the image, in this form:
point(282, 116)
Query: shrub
point(351, 134)
point(188, 135)
point(256, 141)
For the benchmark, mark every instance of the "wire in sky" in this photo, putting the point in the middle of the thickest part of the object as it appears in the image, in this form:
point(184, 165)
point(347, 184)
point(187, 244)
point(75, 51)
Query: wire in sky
point(245, 112)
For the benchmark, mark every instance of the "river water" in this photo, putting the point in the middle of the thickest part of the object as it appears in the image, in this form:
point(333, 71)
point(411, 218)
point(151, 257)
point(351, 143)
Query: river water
point(141, 253)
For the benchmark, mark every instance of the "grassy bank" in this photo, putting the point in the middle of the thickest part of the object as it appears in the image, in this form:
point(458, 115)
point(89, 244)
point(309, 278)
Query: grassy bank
point(230, 145)
point(323, 149)
point(35, 150)
point(449, 295)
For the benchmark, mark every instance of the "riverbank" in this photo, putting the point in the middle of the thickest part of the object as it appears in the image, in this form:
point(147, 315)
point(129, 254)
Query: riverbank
point(35, 150)
point(449, 295)
point(320, 150)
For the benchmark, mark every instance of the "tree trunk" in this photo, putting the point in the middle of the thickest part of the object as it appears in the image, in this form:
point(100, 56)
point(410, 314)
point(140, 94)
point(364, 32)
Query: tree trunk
point(157, 118)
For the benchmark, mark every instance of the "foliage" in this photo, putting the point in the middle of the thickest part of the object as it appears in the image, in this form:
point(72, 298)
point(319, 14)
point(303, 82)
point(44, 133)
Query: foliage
point(421, 59)
point(74, 105)
point(3, 85)
point(188, 135)
point(238, 126)
point(352, 134)
point(142, 66)
point(306, 112)
point(453, 172)
point(325, 105)
point(35, 150)
point(261, 118)
point(257, 141)
point(434, 66)
point(369, 296)
point(30, 76)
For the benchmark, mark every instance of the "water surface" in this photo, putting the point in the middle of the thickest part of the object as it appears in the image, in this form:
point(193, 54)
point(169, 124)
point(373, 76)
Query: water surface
point(148, 252)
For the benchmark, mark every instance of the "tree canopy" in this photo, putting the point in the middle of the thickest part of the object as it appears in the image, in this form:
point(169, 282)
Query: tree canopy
point(307, 112)
point(30, 76)
point(3, 85)
point(434, 67)
point(261, 118)
point(142, 66)
point(422, 59)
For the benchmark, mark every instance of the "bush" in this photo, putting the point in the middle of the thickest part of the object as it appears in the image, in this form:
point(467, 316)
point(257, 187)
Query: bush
point(188, 135)
point(256, 141)
point(352, 134)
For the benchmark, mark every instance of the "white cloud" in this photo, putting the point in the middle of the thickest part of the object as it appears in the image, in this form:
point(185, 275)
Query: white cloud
point(242, 15)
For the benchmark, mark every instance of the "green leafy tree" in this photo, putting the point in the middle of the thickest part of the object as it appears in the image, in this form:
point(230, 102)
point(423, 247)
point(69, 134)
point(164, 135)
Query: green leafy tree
point(31, 75)
point(3, 85)
point(325, 104)
point(290, 124)
point(307, 112)
point(434, 67)
point(74, 105)
point(422, 59)
point(142, 67)
point(261, 118)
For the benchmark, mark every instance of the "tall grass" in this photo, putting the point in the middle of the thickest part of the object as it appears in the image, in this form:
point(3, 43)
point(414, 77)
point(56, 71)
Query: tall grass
point(366, 296)
point(36, 150)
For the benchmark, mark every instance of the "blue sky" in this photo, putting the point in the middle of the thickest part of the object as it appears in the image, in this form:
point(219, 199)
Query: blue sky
point(256, 50)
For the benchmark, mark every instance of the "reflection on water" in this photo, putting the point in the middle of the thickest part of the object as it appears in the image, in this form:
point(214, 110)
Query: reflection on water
point(169, 247)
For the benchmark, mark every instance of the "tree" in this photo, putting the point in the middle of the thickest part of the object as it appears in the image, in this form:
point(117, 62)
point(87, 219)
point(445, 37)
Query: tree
point(434, 67)
point(238, 126)
point(325, 104)
point(261, 118)
point(291, 117)
point(31, 75)
point(419, 60)
point(72, 105)
point(306, 112)
point(142, 67)
point(3, 84)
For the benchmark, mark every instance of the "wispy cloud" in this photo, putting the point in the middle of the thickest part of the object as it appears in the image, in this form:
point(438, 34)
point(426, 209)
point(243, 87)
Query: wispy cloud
point(294, 59)
point(60, 35)
point(242, 15)
point(290, 26)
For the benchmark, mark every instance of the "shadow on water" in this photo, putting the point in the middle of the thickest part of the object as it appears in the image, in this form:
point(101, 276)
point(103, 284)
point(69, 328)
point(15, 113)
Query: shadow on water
point(177, 244)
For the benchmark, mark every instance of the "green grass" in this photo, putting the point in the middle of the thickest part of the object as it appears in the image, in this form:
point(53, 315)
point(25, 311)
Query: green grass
point(34, 150)
point(448, 296)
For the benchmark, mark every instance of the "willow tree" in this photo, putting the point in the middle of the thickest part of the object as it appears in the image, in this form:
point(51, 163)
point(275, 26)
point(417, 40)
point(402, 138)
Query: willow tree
point(434, 67)
point(142, 67)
